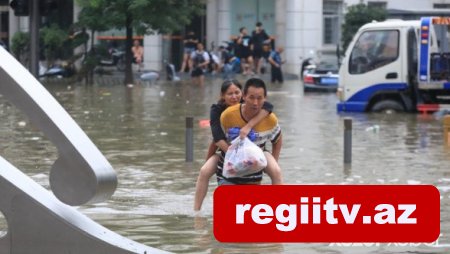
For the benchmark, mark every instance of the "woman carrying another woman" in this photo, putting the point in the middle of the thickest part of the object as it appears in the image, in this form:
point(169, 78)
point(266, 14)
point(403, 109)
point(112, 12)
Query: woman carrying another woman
point(230, 94)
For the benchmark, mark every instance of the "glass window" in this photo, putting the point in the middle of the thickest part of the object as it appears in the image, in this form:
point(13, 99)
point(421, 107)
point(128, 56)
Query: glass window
point(247, 13)
point(332, 11)
point(374, 49)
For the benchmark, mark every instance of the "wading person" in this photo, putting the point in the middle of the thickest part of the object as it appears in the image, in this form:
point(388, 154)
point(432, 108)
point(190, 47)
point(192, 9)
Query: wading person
point(276, 62)
point(244, 52)
point(229, 64)
point(190, 44)
point(259, 38)
point(198, 63)
point(138, 54)
point(230, 94)
point(267, 130)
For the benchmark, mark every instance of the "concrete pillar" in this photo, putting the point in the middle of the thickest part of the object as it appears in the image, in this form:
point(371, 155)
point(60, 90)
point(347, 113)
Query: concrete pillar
point(153, 52)
point(211, 22)
point(224, 21)
point(24, 24)
point(298, 29)
point(218, 23)
point(280, 23)
point(13, 25)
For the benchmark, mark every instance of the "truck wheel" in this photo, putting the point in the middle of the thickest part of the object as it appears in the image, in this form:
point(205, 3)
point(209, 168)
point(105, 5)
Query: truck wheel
point(388, 107)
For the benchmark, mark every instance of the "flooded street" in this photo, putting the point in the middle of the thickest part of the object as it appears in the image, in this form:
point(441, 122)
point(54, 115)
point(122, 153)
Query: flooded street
point(141, 131)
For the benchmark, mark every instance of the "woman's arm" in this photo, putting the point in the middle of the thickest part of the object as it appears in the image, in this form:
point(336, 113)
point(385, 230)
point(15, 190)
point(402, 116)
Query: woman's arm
point(216, 129)
point(254, 121)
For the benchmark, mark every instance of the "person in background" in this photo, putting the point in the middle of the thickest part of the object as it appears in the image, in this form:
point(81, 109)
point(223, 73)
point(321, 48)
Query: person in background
point(267, 49)
point(276, 62)
point(198, 64)
point(230, 94)
point(229, 64)
point(190, 44)
point(259, 38)
point(244, 52)
point(214, 61)
point(138, 54)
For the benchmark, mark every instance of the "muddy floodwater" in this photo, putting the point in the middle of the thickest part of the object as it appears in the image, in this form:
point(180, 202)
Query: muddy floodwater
point(141, 131)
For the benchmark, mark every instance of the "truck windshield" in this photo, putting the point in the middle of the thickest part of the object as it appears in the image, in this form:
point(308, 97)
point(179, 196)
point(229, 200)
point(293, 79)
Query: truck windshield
point(374, 49)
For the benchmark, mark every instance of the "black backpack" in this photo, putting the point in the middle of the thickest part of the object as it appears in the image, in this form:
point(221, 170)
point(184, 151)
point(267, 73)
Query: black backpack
point(198, 59)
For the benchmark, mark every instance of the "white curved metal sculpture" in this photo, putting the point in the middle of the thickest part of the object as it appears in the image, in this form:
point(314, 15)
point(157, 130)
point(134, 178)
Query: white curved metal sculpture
point(37, 221)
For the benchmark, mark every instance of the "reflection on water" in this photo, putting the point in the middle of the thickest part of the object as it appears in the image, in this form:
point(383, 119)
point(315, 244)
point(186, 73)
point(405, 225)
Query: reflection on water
point(3, 226)
point(141, 132)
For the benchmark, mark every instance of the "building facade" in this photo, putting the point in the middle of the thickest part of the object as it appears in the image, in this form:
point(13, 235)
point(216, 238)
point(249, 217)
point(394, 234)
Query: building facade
point(306, 29)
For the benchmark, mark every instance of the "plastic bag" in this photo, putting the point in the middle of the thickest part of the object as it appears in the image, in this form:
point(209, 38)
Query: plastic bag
point(243, 158)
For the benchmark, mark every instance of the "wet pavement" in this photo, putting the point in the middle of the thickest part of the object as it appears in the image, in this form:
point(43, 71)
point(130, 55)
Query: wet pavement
point(141, 130)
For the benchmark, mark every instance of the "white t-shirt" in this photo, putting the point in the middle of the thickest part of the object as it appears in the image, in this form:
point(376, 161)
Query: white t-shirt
point(199, 57)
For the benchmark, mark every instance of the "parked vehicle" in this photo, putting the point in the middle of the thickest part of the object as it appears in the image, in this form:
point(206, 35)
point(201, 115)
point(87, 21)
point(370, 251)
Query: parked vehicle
point(170, 72)
point(3, 45)
point(114, 57)
point(63, 70)
point(397, 65)
point(321, 77)
point(150, 76)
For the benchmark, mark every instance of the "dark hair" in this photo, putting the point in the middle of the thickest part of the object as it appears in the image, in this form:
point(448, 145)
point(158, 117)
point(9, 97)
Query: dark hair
point(255, 82)
point(258, 23)
point(241, 29)
point(225, 85)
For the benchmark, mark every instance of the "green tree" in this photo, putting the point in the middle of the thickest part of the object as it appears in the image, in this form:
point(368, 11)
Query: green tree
point(143, 17)
point(53, 39)
point(20, 47)
point(91, 17)
point(357, 16)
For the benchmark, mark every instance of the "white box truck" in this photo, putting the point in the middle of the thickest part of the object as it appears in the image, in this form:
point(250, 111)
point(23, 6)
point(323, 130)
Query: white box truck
point(397, 66)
